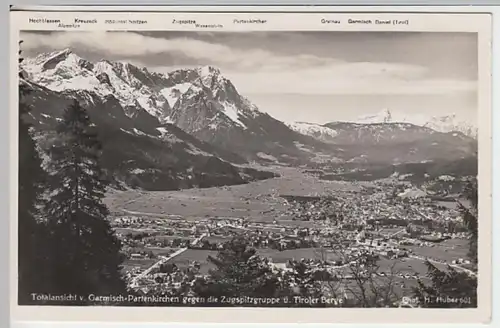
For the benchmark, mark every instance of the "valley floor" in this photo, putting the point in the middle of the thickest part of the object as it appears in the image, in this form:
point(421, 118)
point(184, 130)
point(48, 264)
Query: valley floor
point(256, 200)
point(288, 218)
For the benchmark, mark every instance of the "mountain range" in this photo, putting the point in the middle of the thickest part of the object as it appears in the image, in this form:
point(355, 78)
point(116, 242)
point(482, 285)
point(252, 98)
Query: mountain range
point(191, 127)
point(199, 101)
point(443, 123)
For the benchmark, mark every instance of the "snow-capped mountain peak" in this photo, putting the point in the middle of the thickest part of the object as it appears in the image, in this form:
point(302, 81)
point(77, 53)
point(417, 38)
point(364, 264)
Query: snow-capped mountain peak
point(444, 123)
point(317, 131)
point(58, 53)
point(65, 70)
point(48, 61)
point(211, 77)
point(207, 106)
point(202, 95)
point(384, 116)
point(451, 122)
point(207, 71)
point(172, 94)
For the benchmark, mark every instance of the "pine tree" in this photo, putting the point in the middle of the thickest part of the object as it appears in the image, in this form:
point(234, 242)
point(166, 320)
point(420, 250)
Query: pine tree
point(470, 217)
point(447, 284)
point(451, 282)
point(87, 253)
point(239, 272)
point(31, 234)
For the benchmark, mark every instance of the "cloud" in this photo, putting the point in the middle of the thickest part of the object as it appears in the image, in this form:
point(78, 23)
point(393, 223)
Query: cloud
point(256, 70)
point(343, 78)
point(324, 83)
point(138, 45)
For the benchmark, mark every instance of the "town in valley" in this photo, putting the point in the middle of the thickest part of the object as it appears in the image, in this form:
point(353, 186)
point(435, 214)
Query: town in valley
point(214, 177)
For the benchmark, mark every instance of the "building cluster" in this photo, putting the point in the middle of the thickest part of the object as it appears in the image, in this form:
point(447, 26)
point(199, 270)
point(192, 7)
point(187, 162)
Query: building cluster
point(374, 222)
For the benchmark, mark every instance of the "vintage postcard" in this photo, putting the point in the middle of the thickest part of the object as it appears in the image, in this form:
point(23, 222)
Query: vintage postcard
point(257, 165)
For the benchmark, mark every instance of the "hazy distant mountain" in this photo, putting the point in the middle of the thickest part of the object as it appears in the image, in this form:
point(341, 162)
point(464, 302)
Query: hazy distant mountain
point(177, 121)
point(390, 142)
point(444, 123)
point(384, 116)
point(317, 131)
point(450, 123)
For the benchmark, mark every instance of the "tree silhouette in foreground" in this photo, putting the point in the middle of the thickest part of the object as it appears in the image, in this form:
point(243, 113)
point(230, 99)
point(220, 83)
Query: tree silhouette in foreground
point(470, 217)
point(86, 252)
point(452, 288)
point(239, 272)
point(32, 255)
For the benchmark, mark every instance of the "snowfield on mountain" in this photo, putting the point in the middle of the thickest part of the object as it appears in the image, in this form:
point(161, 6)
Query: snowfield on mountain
point(201, 101)
point(198, 113)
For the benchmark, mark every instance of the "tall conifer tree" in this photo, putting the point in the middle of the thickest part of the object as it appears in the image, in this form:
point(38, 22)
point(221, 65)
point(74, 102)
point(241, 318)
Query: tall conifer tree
point(87, 252)
point(470, 217)
point(31, 248)
point(454, 283)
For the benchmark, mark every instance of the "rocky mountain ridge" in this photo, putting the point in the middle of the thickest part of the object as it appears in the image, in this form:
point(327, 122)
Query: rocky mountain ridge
point(200, 101)
point(137, 150)
point(204, 107)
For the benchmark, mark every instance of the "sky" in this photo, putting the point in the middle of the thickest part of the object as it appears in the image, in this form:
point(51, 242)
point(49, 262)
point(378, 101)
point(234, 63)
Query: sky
point(306, 76)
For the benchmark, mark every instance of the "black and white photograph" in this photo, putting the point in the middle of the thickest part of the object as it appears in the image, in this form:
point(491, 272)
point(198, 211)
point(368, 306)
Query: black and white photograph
point(281, 169)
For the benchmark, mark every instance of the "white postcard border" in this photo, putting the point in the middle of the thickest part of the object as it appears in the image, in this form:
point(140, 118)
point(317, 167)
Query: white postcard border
point(432, 22)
